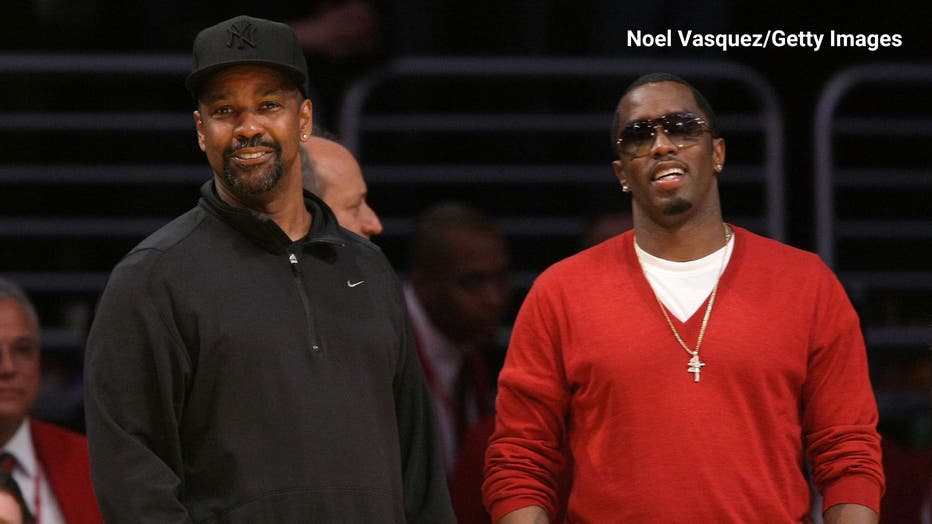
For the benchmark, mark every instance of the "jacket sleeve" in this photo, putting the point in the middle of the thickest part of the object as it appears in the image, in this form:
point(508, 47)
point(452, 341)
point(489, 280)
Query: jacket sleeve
point(525, 459)
point(426, 496)
point(136, 370)
point(839, 409)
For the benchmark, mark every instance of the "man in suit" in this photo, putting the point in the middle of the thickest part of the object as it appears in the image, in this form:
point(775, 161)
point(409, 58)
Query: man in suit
point(49, 463)
point(458, 297)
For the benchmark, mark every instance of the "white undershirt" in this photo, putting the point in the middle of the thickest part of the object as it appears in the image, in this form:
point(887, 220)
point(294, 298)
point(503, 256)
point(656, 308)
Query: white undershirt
point(684, 286)
point(20, 446)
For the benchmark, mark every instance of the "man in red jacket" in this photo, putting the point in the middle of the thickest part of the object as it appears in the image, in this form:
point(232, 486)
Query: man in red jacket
point(49, 463)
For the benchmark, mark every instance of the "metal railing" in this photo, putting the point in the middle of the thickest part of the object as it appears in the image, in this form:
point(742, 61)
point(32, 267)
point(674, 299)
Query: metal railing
point(833, 182)
point(828, 126)
point(355, 120)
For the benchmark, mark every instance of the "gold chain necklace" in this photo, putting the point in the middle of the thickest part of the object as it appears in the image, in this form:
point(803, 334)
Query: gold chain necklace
point(695, 365)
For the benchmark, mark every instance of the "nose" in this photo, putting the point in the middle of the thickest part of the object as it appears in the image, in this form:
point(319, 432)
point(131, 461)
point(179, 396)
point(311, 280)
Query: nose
point(371, 224)
point(248, 125)
point(662, 144)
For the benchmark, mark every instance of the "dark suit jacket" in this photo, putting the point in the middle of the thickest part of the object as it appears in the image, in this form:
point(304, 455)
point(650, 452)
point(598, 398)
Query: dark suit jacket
point(63, 455)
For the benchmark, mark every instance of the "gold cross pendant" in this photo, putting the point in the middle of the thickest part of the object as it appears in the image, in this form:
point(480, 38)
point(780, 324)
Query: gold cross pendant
point(695, 366)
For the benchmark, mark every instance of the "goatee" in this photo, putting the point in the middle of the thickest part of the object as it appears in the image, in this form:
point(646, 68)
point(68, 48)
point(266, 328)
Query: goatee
point(678, 206)
point(248, 182)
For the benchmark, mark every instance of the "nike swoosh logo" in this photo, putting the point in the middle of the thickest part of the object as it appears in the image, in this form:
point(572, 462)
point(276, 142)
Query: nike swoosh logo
point(353, 284)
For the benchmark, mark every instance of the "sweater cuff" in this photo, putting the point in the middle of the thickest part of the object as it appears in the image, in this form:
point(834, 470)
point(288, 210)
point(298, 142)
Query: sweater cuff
point(504, 507)
point(853, 489)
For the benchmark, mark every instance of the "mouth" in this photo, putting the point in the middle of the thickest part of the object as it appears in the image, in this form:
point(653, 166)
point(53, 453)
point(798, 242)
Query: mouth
point(251, 157)
point(252, 152)
point(668, 177)
point(248, 156)
point(668, 172)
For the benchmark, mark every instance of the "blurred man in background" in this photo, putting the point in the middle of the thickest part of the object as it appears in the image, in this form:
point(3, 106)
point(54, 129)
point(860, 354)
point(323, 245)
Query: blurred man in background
point(331, 172)
point(49, 463)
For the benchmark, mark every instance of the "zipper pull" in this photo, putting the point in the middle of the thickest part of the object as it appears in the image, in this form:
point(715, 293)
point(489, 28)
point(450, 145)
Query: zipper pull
point(293, 259)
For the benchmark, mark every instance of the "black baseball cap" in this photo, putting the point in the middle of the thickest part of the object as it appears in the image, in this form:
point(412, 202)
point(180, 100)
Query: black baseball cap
point(245, 40)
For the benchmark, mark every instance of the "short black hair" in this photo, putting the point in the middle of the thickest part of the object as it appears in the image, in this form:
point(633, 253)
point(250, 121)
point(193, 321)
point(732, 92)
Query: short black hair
point(653, 78)
point(430, 247)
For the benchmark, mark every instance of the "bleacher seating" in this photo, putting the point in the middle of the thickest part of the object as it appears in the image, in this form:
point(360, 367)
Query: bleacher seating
point(100, 152)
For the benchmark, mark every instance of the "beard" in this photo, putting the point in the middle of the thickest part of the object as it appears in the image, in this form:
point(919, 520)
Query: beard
point(252, 181)
point(678, 206)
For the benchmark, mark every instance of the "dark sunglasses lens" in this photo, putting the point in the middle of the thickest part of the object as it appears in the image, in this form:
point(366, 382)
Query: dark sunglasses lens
point(682, 128)
point(636, 135)
point(685, 126)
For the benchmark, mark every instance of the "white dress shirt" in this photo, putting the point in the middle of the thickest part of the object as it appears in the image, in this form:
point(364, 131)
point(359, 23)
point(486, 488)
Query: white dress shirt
point(444, 360)
point(30, 475)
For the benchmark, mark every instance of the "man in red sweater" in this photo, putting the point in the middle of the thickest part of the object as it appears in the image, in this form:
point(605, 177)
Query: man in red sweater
point(49, 463)
point(692, 366)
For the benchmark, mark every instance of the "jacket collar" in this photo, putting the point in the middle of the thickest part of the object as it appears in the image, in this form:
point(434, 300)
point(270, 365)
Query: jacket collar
point(264, 231)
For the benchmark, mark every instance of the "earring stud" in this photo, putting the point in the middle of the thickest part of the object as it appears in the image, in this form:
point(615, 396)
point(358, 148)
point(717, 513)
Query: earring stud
point(625, 188)
point(718, 168)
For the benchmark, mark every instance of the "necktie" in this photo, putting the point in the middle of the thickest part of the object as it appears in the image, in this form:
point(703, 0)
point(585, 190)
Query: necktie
point(7, 462)
point(472, 391)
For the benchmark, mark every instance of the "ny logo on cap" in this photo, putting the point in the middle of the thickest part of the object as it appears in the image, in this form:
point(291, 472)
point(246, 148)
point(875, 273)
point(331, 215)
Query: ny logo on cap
point(242, 34)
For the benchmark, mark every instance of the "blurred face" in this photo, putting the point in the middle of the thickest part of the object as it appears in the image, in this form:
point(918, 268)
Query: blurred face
point(467, 296)
point(341, 186)
point(250, 121)
point(673, 180)
point(19, 362)
point(10, 513)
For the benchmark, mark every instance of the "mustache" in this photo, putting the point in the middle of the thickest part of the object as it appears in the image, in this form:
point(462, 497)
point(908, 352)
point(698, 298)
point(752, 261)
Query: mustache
point(255, 141)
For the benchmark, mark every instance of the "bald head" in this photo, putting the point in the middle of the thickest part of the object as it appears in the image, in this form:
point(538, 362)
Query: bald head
point(330, 172)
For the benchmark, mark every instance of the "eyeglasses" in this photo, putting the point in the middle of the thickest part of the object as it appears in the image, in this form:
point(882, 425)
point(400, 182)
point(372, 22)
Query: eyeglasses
point(683, 129)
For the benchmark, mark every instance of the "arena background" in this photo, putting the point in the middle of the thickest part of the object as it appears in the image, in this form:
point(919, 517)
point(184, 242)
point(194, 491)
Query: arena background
point(505, 105)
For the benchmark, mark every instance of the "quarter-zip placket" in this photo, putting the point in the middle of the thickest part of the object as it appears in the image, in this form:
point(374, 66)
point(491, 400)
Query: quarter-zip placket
point(308, 320)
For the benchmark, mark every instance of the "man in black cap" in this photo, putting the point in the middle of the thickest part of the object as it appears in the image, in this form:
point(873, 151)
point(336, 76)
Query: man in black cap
point(251, 361)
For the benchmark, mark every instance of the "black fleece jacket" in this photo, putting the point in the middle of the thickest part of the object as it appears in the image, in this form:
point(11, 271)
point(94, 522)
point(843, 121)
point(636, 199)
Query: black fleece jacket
point(235, 376)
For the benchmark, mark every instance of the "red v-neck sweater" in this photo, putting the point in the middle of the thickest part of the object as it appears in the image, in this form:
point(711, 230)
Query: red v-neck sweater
point(592, 358)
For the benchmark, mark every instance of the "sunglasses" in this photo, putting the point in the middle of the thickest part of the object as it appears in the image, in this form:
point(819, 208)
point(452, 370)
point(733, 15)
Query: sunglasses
point(682, 129)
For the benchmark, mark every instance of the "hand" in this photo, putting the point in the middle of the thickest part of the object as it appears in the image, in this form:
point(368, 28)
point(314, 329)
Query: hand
point(850, 514)
point(526, 515)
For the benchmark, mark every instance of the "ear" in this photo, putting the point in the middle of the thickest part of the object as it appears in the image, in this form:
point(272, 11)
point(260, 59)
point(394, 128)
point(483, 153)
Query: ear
point(306, 117)
point(718, 151)
point(199, 123)
point(619, 168)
